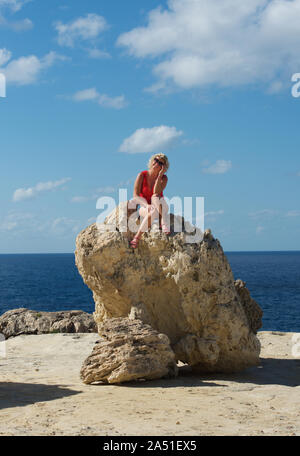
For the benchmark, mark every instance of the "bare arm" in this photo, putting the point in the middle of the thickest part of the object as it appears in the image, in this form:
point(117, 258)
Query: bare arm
point(160, 183)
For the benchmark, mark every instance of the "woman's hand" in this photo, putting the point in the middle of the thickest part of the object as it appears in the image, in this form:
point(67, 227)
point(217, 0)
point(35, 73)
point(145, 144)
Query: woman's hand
point(161, 182)
point(162, 172)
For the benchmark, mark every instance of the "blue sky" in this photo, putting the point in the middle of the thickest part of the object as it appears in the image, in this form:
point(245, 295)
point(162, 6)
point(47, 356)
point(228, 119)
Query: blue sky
point(95, 88)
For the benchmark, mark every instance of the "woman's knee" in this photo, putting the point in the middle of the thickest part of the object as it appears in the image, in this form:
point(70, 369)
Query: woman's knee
point(154, 212)
point(143, 212)
point(150, 211)
point(159, 202)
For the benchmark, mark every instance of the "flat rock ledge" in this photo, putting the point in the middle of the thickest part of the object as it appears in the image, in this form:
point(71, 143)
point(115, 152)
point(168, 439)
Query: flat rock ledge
point(129, 350)
point(25, 321)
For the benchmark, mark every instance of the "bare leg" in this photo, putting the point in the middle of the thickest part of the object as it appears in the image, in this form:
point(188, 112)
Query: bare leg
point(149, 213)
point(163, 209)
point(134, 214)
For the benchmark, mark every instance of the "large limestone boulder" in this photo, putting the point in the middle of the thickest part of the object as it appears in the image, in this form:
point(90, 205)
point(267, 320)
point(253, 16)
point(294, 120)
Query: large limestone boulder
point(129, 350)
point(183, 289)
point(25, 321)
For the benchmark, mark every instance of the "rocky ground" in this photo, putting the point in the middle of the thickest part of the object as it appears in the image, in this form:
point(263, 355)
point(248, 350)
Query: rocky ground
point(41, 394)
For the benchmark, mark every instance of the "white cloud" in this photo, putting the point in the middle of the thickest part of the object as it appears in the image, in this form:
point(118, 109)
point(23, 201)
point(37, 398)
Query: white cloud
point(294, 213)
point(104, 100)
point(8, 225)
point(26, 70)
point(95, 53)
point(20, 26)
point(17, 221)
point(212, 216)
point(62, 226)
point(20, 223)
point(5, 56)
point(80, 199)
point(107, 189)
point(17, 26)
point(259, 229)
point(83, 28)
point(147, 140)
point(14, 5)
point(220, 167)
point(219, 43)
point(214, 213)
point(28, 193)
point(264, 213)
point(155, 87)
point(112, 102)
point(87, 94)
point(275, 87)
point(94, 196)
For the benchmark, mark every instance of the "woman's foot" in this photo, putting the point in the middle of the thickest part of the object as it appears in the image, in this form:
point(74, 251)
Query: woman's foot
point(165, 229)
point(134, 243)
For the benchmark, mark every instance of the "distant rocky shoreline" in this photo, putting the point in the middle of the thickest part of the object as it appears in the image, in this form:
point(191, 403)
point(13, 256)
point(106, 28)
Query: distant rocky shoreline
point(24, 321)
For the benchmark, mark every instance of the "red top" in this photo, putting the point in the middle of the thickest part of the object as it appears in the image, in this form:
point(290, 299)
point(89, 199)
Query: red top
point(146, 191)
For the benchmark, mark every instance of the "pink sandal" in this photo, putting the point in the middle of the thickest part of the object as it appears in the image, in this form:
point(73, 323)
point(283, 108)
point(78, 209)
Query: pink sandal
point(134, 243)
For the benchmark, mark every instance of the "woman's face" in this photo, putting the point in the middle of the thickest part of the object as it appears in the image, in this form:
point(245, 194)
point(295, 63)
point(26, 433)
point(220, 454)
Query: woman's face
point(158, 163)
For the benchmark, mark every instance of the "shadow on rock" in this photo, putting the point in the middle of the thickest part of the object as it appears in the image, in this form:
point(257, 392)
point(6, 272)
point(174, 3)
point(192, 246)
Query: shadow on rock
point(21, 394)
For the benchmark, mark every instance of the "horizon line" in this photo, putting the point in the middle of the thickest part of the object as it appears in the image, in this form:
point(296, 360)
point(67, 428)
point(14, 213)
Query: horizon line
point(225, 251)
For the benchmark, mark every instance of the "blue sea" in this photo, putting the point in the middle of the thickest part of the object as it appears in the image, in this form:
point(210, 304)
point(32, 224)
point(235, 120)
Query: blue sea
point(51, 282)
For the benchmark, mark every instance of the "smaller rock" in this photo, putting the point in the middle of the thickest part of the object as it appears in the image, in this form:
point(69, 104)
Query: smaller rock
point(25, 321)
point(130, 350)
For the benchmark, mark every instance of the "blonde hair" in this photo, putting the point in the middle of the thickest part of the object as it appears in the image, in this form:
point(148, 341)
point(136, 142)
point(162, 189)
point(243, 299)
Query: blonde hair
point(162, 157)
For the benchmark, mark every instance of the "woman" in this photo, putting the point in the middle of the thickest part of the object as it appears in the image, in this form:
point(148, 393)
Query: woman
point(148, 193)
